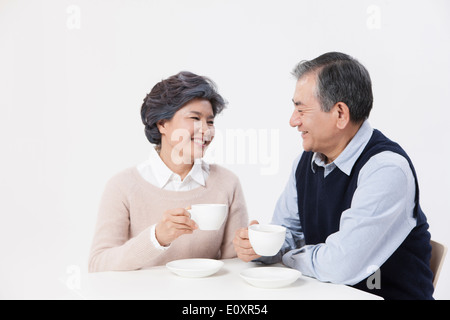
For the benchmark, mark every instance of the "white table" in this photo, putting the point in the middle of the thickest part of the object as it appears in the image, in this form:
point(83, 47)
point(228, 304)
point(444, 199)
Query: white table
point(160, 283)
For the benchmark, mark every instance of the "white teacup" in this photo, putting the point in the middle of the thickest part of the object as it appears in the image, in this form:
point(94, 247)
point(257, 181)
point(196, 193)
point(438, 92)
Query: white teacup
point(266, 239)
point(209, 216)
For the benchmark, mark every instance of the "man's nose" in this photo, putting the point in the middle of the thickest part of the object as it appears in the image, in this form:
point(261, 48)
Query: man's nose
point(295, 120)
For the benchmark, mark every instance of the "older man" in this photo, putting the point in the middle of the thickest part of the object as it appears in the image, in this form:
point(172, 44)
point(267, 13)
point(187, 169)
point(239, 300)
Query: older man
point(351, 205)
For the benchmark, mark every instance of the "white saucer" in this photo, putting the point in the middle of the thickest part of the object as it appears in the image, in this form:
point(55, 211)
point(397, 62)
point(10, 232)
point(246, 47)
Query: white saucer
point(194, 268)
point(270, 277)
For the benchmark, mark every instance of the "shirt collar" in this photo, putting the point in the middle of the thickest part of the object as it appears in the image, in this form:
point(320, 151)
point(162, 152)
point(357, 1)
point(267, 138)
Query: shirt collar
point(350, 154)
point(163, 174)
point(197, 170)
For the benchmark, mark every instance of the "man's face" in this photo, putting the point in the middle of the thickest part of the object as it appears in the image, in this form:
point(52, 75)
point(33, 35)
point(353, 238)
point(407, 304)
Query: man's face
point(318, 128)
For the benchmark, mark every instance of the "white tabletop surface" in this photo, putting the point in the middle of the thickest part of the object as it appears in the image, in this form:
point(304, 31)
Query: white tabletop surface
point(160, 283)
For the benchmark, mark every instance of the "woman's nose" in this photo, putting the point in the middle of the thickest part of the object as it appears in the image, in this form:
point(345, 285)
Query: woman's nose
point(203, 127)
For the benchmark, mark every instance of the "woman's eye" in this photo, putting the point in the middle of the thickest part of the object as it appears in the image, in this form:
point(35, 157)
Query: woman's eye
point(196, 118)
point(211, 123)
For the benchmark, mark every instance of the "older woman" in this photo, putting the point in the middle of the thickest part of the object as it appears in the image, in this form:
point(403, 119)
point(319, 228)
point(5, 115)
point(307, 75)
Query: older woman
point(142, 220)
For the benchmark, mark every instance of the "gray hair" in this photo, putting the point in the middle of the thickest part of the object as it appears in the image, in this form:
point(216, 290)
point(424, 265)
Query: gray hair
point(340, 78)
point(173, 93)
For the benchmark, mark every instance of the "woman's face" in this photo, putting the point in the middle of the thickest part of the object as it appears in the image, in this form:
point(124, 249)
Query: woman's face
point(186, 136)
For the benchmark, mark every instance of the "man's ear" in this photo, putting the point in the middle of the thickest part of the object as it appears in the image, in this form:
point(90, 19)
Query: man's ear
point(342, 115)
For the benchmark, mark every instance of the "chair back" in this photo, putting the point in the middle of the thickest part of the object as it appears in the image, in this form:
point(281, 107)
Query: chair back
point(438, 252)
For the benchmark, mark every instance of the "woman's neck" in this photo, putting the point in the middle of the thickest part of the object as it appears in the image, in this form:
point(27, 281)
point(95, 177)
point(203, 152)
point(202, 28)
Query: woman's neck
point(178, 166)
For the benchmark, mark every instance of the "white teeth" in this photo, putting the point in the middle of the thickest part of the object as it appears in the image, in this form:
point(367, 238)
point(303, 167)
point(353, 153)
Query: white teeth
point(199, 141)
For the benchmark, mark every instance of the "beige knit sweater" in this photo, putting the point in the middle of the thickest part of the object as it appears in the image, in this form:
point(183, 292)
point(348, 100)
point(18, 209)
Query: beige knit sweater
point(130, 206)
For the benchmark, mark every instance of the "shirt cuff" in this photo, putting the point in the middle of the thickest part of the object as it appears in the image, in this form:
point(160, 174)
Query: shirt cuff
point(155, 241)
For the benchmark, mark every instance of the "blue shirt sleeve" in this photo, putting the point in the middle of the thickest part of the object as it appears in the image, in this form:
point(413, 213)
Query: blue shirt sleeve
point(286, 214)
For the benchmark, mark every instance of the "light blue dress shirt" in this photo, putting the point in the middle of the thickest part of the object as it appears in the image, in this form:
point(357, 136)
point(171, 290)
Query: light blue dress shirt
point(379, 219)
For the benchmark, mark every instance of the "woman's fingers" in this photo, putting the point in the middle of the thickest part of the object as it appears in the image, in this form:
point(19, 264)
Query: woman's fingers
point(184, 221)
point(174, 223)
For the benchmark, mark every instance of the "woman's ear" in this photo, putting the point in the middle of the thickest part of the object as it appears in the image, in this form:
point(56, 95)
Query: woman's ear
point(343, 115)
point(161, 126)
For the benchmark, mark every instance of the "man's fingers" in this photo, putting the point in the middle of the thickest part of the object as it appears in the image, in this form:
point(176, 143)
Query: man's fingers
point(242, 243)
point(242, 233)
point(243, 248)
point(247, 251)
point(246, 256)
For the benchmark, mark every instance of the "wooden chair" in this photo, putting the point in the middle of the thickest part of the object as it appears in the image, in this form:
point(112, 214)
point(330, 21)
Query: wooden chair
point(438, 252)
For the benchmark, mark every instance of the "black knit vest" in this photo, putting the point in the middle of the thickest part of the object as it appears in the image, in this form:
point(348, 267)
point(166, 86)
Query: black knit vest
point(321, 201)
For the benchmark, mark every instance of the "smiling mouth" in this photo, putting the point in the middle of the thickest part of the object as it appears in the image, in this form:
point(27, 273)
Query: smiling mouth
point(200, 142)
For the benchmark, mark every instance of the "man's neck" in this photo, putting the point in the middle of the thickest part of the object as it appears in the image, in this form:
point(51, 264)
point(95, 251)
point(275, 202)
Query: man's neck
point(347, 136)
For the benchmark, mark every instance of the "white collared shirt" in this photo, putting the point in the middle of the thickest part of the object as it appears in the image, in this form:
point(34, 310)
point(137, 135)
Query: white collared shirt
point(156, 172)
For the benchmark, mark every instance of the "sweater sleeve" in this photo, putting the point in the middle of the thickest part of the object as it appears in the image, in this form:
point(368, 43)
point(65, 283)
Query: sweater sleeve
point(112, 249)
point(238, 218)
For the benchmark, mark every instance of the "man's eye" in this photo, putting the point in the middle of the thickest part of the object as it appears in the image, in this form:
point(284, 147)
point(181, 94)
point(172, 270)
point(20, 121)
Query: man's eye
point(196, 118)
point(211, 123)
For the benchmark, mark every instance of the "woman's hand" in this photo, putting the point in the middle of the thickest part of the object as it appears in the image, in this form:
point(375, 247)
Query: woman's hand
point(242, 246)
point(174, 223)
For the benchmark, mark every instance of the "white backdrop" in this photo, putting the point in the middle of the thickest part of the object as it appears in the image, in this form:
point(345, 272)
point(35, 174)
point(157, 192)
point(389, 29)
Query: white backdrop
point(73, 75)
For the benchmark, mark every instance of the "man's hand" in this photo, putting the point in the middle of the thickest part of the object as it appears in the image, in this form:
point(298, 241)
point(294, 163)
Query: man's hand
point(242, 244)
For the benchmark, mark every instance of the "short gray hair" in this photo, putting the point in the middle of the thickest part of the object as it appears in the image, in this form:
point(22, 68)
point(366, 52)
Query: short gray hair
point(170, 95)
point(340, 78)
